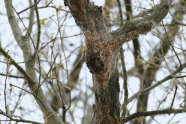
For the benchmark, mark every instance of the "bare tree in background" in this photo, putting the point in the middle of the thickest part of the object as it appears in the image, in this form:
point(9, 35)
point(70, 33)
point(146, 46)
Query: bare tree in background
point(52, 66)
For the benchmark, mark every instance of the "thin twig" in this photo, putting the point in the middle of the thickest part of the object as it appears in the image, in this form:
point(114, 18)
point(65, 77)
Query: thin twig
point(35, 96)
point(12, 76)
point(28, 33)
point(66, 64)
point(18, 101)
point(40, 84)
point(125, 87)
point(171, 44)
point(21, 70)
point(28, 8)
point(17, 120)
point(39, 28)
point(174, 97)
point(182, 76)
point(181, 67)
point(5, 86)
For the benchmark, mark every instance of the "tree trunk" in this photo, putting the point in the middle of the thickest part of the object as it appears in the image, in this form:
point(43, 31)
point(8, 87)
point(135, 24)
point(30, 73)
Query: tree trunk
point(102, 52)
point(107, 105)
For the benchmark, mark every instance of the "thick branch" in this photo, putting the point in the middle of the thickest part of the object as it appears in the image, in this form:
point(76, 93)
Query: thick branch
point(143, 25)
point(13, 22)
point(87, 15)
point(31, 19)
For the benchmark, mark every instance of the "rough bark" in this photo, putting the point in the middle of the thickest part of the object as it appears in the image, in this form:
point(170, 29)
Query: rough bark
point(102, 52)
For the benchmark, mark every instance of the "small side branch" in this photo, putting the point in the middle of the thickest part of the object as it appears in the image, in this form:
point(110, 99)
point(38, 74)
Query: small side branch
point(12, 76)
point(29, 7)
point(153, 113)
point(17, 120)
point(38, 26)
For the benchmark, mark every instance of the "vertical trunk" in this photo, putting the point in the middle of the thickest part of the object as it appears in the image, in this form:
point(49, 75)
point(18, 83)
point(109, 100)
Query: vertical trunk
point(106, 110)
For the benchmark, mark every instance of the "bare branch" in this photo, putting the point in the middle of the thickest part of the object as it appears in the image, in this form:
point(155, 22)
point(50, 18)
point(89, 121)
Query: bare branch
point(40, 97)
point(174, 97)
point(29, 60)
point(15, 119)
point(30, 7)
point(132, 29)
point(13, 76)
point(31, 19)
point(11, 61)
point(152, 113)
point(38, 26)
point(172, 75)
point(13, 23)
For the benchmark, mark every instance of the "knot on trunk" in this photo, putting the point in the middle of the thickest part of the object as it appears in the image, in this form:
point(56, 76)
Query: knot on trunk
point(95, 62)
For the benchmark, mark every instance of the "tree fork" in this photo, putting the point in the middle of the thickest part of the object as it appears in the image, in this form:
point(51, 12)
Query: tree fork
point(103, 49)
